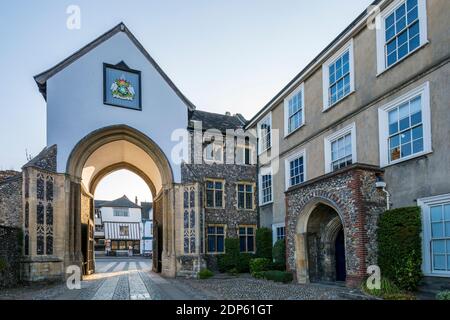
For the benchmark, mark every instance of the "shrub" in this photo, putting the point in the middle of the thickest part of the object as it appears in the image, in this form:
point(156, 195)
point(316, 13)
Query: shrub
point(387, 287)
point(399, 247)
point(264, 243)
point(444, 295)
point(3, 264)
point(233, 271)
point(243, 265)
point(230, 259)
point(279, 255)
point(259, 264)
point(205, 274)
point(278, 276)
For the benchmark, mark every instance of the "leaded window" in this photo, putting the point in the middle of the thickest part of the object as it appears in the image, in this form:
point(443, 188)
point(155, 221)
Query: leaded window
point(247, 238)
point(245, 196)
point(216, 238)
point(214, 193)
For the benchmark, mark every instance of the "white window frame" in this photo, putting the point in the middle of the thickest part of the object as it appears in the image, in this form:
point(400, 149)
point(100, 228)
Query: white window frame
point(335, 136)
point(381, 33)
point(275, 226)
point(383, 118)
point(301, 89)
point(123, 210)
point(262, 172)
point(326, 75)
point(287, 161)
point(262, 149)
point(425, 204)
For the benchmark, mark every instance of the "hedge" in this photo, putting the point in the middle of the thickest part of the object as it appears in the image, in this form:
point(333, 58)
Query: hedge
point(205, 274)
point(400, 247)
point(264, 243)
point(278, 276)
point(279, 255)
point(233, 259)
point(258, 265)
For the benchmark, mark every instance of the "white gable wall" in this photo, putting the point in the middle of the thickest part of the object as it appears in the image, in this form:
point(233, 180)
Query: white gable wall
point(75, 101)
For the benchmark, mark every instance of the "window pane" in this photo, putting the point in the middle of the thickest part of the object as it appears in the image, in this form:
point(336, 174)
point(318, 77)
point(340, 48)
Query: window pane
point(418, 146)
point(211, 244)
point(209, 198)
point(436, 213)
point(406, 150)
point(220, 244)
point(437, 229)
point(439, 246)
point(250, 246)
point(447, 212)
point(242, 244)
point(241, 230)
point(219, 198)
point(439, 262)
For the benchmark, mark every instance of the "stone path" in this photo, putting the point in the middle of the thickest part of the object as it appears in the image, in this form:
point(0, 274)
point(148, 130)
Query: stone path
point(132, 279)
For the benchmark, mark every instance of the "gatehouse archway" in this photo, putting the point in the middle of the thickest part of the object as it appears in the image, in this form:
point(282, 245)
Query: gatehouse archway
point(98, 154)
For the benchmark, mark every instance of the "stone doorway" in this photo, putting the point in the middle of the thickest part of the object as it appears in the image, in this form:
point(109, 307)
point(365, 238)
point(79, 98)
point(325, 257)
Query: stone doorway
point(325, 245)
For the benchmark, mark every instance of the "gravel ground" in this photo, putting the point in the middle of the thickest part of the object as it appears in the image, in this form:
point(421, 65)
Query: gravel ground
point(248, 288)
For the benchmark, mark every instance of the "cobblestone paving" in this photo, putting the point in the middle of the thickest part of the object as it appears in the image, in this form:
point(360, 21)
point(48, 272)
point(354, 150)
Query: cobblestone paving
point(132, 279)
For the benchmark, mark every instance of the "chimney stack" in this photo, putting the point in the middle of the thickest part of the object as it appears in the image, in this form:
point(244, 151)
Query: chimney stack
point(228, 113)
point(136, 200)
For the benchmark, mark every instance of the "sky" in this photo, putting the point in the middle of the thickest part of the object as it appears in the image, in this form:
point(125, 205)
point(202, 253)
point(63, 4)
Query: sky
point(224, 55)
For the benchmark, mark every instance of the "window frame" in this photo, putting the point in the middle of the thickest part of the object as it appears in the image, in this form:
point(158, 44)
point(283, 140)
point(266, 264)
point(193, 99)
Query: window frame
point(245, 184)
point(214, 145)
point(349, 46)
point(263, 172)
point(287, 168)
point(300, 89)
point(246, 226)
point(241, 149)
point(383, 118)
point(121, 209)
point(425, 204)
point(381, 33)
point(268, 118)
point(215, 225)
point(275, 228)
point(223, 193)
point(328, 141)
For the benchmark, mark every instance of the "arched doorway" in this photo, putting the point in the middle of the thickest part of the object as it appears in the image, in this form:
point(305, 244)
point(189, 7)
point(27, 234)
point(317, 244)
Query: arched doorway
point(320, 243)
point(97, 155)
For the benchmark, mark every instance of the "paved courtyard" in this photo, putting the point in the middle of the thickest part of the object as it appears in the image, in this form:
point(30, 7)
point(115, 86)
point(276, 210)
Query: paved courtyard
point(132, 279)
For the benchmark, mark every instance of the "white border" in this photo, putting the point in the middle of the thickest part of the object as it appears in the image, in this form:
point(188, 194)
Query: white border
point(425, 204)
point(260, 149)
point(326, 74)
point(287, 177)
point(264, 171)
point(383, 124)
point(301, 89)
point(381, 32)
point(333, 137)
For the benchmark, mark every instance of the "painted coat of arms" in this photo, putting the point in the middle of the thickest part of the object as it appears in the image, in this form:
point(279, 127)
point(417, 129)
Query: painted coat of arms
point(122, 89)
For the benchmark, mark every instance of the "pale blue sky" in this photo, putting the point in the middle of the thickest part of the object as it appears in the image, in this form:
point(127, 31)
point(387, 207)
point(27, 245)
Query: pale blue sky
point(227, 55)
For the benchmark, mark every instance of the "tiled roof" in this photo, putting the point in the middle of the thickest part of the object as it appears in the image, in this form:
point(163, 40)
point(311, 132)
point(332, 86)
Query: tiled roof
point(122, 202)
point(211, 120)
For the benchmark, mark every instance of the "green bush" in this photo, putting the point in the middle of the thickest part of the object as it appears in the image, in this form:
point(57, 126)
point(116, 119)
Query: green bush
point(3, 265)
point(259, 264)
point(444, 295)
point(264, 243)
point(279, 255)
point(243, 265)
point(205, 274)
point(399, 247)
point(387, 287)
point(278, 276)
point(230, 259)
